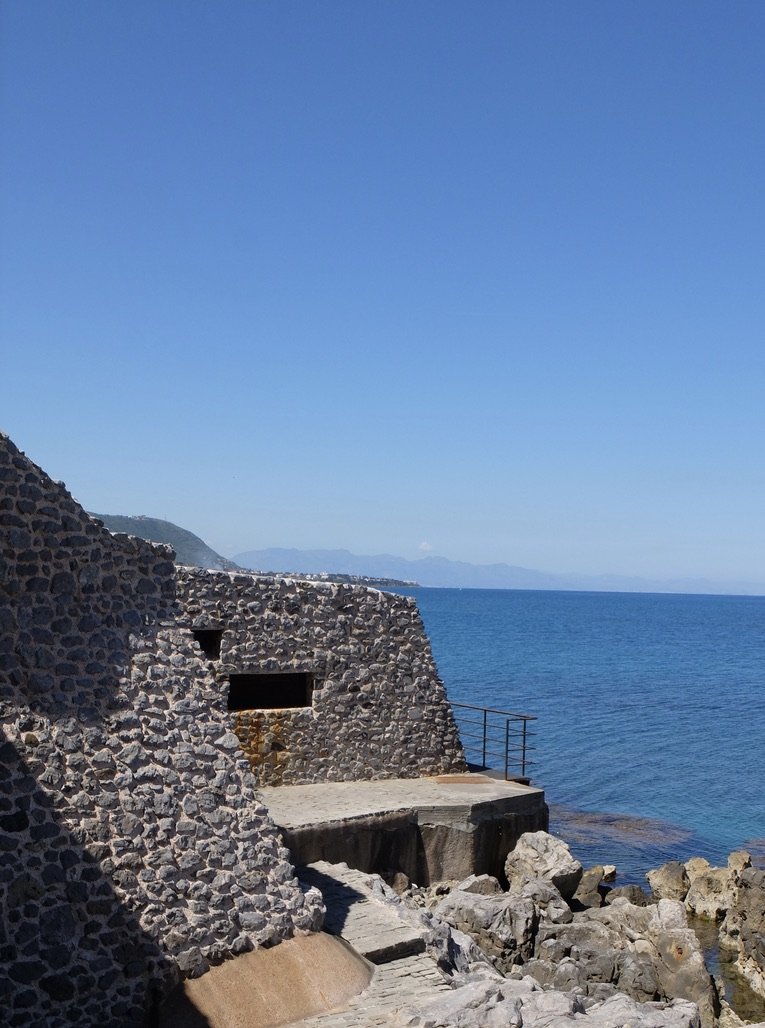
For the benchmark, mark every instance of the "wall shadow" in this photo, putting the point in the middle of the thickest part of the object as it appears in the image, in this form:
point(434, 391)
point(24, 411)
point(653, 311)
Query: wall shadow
point(70, 949)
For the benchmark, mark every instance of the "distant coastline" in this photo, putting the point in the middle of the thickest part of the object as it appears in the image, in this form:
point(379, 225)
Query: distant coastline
point(388, 572)
point(441, 573)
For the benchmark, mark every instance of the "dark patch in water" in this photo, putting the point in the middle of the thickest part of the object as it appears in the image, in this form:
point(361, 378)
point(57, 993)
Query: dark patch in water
point(593, 827)
point(756, 848)
point(633, 844)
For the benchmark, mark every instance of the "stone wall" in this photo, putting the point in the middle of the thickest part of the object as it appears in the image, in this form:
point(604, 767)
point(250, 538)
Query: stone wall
point(133, 848)
point(378, 708)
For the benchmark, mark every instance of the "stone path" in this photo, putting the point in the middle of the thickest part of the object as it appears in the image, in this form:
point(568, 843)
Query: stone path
point(371, 927)
point(405, 975)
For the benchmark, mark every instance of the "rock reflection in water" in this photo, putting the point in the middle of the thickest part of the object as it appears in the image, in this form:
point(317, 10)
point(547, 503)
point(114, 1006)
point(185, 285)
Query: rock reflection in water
point(721, 963)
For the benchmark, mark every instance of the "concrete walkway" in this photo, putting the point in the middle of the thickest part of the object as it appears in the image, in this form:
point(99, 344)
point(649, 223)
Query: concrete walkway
point(431, 829)
point(455, 796)
point(404, 974)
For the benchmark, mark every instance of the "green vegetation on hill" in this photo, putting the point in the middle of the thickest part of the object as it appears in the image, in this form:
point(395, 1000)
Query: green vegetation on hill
point(189, 548)
point(193, 551)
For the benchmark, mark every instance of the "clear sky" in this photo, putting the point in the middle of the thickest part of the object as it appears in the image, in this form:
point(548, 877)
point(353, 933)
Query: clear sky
point(478, 279)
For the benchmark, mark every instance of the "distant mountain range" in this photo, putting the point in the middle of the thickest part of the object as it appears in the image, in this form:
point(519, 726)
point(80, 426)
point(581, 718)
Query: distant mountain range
point(387, 571)
point(442, 573)
point(189, 548)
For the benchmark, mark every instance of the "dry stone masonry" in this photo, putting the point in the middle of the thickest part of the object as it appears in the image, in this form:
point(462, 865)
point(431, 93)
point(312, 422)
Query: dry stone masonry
point(133, 848)
point(343, 675)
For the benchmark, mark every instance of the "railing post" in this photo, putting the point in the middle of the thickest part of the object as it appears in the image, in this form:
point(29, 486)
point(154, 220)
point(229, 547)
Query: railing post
point(490, 734)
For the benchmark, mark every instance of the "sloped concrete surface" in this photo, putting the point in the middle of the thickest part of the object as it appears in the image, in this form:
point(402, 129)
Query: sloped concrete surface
point(303, 976)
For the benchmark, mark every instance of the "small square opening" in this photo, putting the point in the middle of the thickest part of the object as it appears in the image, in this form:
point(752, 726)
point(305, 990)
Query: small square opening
point(209, 640)
point(270, 690)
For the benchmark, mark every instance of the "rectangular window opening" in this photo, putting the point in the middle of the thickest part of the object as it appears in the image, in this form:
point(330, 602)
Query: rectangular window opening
point(209, 639)
point(270, 690)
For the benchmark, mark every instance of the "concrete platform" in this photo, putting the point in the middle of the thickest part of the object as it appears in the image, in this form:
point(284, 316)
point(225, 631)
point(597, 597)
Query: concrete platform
point(430, 829)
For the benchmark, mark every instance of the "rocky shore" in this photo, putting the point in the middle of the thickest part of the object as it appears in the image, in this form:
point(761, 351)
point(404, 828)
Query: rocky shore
point(561, 944)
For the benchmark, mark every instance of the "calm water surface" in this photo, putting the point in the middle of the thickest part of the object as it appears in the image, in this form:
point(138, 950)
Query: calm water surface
point(650, 706)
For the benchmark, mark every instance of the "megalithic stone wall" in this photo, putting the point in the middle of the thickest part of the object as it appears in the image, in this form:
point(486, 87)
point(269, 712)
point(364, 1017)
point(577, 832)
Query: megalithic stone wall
point(133, 848)
point(377, 707)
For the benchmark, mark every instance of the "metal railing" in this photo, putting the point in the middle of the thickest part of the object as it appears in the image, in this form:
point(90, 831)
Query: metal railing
point(495, 739)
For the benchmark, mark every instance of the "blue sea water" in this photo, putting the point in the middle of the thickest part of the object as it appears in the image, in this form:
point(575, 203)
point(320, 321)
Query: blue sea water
point(651, 732)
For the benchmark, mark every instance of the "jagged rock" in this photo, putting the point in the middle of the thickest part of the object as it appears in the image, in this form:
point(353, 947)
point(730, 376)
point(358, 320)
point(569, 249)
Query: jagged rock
point(739, 861)
point(670, 881)
point(545, 897)
point(484, 885)
point(397, 880)
point(456, 953)
point(476, 1005)
point(647, 952)
point(743, 928)
point(632, 893)
point(522, 1004)
point(696, 866)
point(673, 947)
point(588, 892)
point(540, 855)
point(504, 926)
point(712, 893)
point(729, 1019)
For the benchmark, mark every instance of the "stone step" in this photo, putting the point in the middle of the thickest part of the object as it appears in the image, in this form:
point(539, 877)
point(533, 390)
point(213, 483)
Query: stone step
point(354, 914)
point(410, 981)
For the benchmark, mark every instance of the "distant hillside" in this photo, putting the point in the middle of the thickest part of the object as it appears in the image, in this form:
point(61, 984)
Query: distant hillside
point(455, 574)
point(189, 548)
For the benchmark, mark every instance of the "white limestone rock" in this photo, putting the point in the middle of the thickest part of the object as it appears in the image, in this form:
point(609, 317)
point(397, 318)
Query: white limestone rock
point(670, 881)
point(523, 1004)
point(504, 925)
point(540, 855)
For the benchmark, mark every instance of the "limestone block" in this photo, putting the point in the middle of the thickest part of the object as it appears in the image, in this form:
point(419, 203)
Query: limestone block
point(670, 881)
point(712, 893)
point(540, 855)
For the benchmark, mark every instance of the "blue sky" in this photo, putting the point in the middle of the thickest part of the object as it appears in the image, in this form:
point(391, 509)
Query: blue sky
point(485, 279)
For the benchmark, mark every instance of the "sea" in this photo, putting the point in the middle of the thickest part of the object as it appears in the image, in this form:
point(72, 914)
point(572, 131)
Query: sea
point(650, 733)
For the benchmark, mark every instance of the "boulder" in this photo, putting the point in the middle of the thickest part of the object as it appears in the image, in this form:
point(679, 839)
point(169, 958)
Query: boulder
point(712, 893)
point(632, 893)
point(696, 866)
point(739, 861)
point(648, 953)
point(504, 925)
point(670, 881)
point(548, 901)
point(588, 892)
point(523, 1003)
point(540, 855)
point(484, 885)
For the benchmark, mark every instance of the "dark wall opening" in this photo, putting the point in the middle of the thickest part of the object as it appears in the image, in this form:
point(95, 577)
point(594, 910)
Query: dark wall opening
point(270, 690)
point(209, 639)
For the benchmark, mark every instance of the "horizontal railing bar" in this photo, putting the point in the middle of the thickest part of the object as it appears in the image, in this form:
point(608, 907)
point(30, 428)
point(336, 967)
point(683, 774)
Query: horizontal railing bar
point(495, 710)
point(495, 727)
